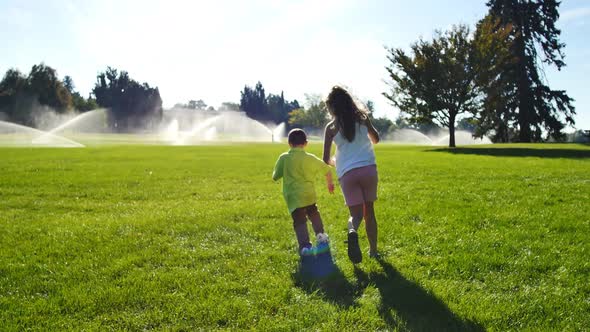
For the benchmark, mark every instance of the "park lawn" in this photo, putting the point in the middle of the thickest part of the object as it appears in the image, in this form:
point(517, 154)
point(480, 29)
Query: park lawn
point(198, 237)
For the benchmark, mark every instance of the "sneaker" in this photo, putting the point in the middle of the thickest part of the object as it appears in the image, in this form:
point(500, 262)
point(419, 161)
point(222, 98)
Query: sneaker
point(306, 251)
point(322, 238)
point(323, 245)
point(354, 252)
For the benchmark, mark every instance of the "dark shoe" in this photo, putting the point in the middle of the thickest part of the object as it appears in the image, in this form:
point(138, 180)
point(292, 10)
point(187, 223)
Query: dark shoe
point(375, 255)
point(354, 252)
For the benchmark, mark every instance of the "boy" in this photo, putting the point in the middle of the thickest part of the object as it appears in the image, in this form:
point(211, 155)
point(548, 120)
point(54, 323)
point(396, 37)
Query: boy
point(298, 170)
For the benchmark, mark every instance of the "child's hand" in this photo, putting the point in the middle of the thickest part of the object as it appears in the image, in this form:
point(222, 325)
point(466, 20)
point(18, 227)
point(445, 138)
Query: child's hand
point(333, 161)
point(330, 182)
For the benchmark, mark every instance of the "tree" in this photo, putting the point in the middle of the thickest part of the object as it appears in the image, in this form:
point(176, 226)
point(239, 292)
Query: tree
point(68, 83)
point(271, 108)
point(493, 59)
point(383, 125)
point(20, 96)
point(78, 102)
point(253, 102)
point(49, 90)
point(133, 105)
point(15, 100)
point(276, 107)
point(197, 105)
point(314, 117)
point(468, 124)
point(536, 38)
point(401, 122)
point(279, 108)
point(437, 82)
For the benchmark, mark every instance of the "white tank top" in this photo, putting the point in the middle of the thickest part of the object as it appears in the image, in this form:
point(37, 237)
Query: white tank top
point(355, 154)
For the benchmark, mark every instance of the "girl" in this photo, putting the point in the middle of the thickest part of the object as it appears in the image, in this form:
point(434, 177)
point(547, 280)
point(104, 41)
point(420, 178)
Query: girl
point(354, 135)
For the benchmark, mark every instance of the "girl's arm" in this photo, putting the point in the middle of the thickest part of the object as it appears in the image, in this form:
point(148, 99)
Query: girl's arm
point(329, 134)
point(373, 133)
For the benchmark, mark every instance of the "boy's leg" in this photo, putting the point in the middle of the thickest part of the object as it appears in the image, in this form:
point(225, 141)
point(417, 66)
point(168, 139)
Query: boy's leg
point(371, 227)
point(316, 220)
point(300, 227)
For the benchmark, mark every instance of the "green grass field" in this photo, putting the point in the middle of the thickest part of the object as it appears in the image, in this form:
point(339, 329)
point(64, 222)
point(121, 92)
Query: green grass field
point(198, 237)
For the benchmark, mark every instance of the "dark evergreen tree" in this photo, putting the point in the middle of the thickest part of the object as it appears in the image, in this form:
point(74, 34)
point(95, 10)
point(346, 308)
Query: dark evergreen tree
point(133, 105)
point(253, 102)
point(279, 108)
point(492, 45)
point(15, 99)
point(536, 38)
point(265, 108)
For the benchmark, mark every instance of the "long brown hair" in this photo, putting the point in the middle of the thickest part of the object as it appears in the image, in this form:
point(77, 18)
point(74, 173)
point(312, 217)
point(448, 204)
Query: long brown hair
point(345, 111)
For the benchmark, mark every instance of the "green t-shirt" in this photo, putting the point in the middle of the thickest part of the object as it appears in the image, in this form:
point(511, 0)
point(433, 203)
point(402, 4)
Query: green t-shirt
point(299, 170)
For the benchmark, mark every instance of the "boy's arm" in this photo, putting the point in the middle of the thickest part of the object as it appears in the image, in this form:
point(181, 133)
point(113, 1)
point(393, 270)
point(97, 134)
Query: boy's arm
point(278, 171)
point(330, 182)
point(320, 167)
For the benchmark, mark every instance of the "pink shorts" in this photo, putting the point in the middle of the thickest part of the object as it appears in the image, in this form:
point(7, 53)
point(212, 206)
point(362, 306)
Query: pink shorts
point(359, 185)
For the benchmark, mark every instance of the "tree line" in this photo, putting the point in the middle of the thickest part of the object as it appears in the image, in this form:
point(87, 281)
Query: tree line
point(138, 106)
point(133, 105)
point(488, 81)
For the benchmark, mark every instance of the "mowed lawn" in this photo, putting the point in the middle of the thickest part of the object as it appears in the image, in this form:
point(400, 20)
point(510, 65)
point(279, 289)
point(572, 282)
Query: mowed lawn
point(198, 237)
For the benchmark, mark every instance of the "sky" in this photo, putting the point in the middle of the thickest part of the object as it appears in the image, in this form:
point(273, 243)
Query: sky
point(210, 50)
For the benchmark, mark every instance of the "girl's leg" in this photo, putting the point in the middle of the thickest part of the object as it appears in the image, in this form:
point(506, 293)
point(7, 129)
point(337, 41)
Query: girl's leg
point(316, 220)
point(356, 216)
point(371, 227)
point(300, 227)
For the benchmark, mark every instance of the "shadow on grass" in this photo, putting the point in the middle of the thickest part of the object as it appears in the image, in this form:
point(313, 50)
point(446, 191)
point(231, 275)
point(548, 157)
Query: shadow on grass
point(405, 305)
point(324, 278)
point(518, 152)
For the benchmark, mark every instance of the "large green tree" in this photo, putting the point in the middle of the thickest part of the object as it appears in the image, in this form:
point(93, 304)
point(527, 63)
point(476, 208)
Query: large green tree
point(20, 96)
point(44, 84)
point(436, 82)
point(492, 44)
point(537, 108)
